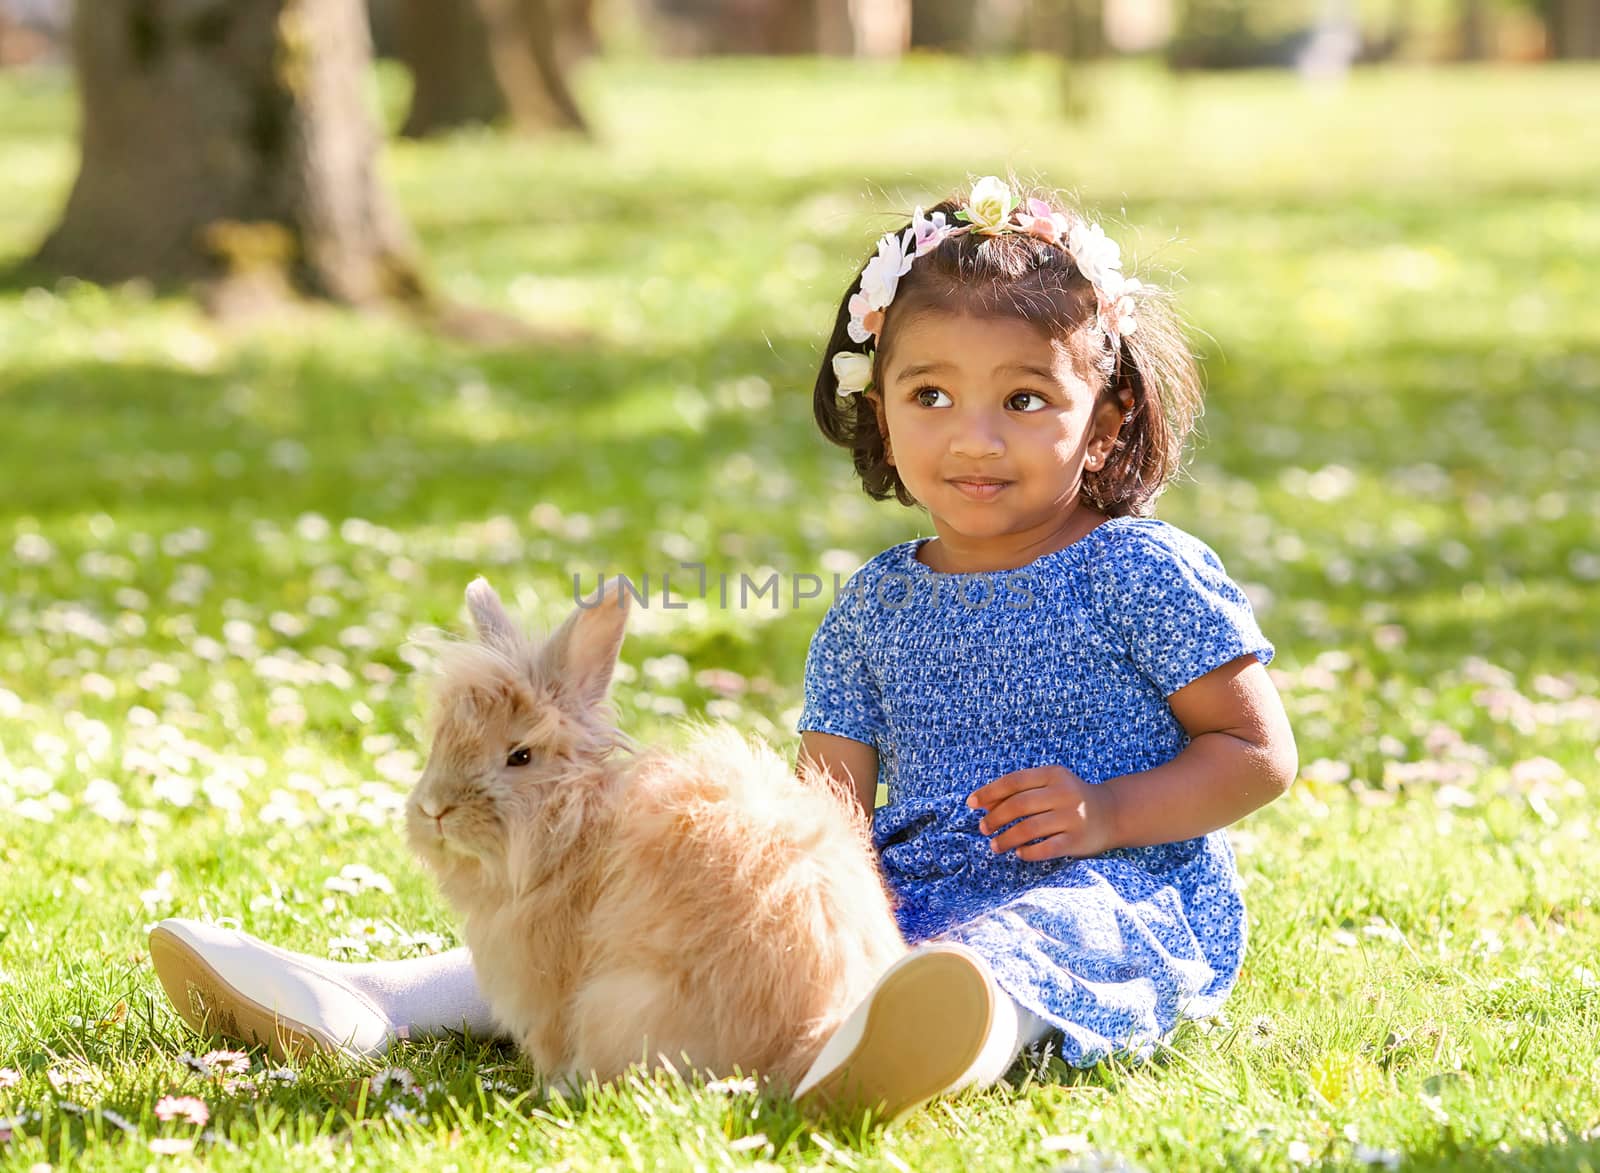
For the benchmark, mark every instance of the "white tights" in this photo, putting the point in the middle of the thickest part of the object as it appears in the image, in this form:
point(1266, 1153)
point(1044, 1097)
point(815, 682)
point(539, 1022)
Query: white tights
point(429, 996)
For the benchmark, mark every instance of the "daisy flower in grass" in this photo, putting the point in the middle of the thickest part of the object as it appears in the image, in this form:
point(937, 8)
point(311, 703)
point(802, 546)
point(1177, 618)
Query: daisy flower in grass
point(189, 1109)
point(195, 1065)
point(10, 1124)
point(9, 1077)
point(422, 942)
point(227, 1062)
point(71, 1074)
point(392, 1079)
point(372, 932)
point(357, 877)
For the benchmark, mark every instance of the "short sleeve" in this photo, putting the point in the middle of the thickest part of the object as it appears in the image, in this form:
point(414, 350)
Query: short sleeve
point(1176, 610)
point(841, 697)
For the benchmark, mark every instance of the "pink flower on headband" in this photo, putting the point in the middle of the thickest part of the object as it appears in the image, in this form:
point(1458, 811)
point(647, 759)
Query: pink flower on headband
point(1041, 220)
point(1123, 322)
point(865, 322)
point(929, 231)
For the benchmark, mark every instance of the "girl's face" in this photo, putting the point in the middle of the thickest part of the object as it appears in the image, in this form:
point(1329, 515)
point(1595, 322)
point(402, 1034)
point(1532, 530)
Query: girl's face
point(990, 427)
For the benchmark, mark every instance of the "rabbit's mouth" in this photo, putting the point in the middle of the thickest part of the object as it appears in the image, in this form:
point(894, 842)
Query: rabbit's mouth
point(440, 840)
point(428, 837)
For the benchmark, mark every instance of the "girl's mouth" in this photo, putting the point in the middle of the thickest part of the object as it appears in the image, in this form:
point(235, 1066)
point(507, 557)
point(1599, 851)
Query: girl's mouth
point(980, 490)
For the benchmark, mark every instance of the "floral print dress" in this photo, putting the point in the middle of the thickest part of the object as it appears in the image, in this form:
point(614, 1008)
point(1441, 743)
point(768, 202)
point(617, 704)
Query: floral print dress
point(957, 679)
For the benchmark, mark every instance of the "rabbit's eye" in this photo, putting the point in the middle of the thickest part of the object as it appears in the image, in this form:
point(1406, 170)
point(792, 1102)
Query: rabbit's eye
point(519, 757)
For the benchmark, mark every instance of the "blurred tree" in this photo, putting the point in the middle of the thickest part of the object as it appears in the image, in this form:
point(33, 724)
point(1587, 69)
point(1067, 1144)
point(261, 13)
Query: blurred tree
point(1474, 33)
point(942, 24)
point(869, 28)
point(230, 139)
point(1235, 34)
point(1074, 30)
point(1573, 27)
point(487, 61)
point(880, 28)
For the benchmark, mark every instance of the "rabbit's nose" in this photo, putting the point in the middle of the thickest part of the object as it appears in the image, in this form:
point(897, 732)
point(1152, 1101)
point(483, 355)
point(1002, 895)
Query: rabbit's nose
point(438, 815)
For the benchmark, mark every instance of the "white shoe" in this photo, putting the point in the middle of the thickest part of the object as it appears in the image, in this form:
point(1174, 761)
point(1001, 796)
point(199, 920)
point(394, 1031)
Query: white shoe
point(919, 1033)
point(228, 983)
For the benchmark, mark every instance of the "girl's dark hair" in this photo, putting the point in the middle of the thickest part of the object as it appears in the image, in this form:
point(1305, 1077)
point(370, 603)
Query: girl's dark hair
point(1015, 275)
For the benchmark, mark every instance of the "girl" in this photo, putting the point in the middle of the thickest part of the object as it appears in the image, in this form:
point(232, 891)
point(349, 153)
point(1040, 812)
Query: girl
point(1065, 699)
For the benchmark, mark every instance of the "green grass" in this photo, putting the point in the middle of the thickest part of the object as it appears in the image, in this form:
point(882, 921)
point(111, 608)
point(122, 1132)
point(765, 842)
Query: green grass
point(214, 544)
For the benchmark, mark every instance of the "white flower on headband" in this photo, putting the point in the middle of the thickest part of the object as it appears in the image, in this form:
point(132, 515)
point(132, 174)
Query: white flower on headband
point(882, 275)
point(854, 371)
point(989, 206)
point(1098, 258)
point(879, 281)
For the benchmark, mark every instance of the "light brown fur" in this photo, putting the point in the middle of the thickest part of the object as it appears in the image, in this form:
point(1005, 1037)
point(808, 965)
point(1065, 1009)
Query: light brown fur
point(624, 905)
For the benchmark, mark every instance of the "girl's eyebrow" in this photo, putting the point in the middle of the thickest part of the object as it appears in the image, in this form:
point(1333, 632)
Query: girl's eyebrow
point(921, 368)
point(1027, 369)
point(928, 368)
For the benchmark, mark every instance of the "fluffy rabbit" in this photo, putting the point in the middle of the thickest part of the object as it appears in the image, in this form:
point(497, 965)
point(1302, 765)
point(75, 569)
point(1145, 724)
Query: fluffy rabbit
point(623, 904)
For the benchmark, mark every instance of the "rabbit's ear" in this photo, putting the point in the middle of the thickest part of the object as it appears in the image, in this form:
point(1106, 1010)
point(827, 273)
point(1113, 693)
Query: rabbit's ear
point(584, 650)
point(495, 627)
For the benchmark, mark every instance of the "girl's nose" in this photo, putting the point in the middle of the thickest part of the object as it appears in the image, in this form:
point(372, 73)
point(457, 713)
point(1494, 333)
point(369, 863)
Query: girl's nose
point(976, 436)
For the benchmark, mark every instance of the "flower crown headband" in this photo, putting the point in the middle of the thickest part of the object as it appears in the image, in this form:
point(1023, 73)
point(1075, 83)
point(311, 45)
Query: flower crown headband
point(991, 210)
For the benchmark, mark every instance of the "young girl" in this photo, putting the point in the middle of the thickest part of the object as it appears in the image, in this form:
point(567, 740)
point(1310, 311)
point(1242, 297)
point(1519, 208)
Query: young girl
point(1065, 699)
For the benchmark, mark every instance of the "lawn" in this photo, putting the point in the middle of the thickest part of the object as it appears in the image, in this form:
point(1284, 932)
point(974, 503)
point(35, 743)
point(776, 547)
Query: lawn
point(215, 543)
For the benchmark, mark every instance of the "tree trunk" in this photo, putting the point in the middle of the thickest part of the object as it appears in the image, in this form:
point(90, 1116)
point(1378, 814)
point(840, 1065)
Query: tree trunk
point(523, 46)
point(835, 35)
point(1474, 30)
point(1574, 28)
point(882, 27)
point(942, 24)
point(1074, 31)
point(229, 137)
point(483, 61)
point(445, 44)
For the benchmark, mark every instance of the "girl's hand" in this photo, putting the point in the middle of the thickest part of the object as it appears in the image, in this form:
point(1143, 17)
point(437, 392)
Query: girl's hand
point(1056, 813)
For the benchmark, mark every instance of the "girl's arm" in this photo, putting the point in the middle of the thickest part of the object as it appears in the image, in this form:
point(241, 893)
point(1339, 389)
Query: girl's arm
point(851, 762)
point(1241, 755)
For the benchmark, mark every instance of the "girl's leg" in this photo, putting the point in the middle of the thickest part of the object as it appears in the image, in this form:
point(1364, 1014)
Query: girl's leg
point(230, 983)
point(936, 1022)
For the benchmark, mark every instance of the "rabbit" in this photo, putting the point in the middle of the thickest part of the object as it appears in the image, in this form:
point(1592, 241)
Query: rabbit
point(625, 904)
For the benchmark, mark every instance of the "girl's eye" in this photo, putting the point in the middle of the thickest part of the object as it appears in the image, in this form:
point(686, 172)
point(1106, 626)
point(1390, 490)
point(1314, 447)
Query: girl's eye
point(1039, 403)
point(519, 757)
point(922, 394)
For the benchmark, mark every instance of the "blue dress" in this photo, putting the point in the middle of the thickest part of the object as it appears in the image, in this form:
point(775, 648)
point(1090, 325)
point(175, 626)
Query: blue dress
point(957, 679)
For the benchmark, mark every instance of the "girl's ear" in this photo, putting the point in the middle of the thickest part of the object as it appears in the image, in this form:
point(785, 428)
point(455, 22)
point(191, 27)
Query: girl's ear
point(1104, 428)
point(583, 651)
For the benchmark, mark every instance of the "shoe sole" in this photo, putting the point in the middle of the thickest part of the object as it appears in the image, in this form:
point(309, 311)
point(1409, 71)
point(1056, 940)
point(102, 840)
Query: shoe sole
point(213, 1007)
point(903, 1057)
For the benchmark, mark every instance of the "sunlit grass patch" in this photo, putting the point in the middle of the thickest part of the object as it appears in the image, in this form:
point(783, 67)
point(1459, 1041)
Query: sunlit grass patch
point(215, 547)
